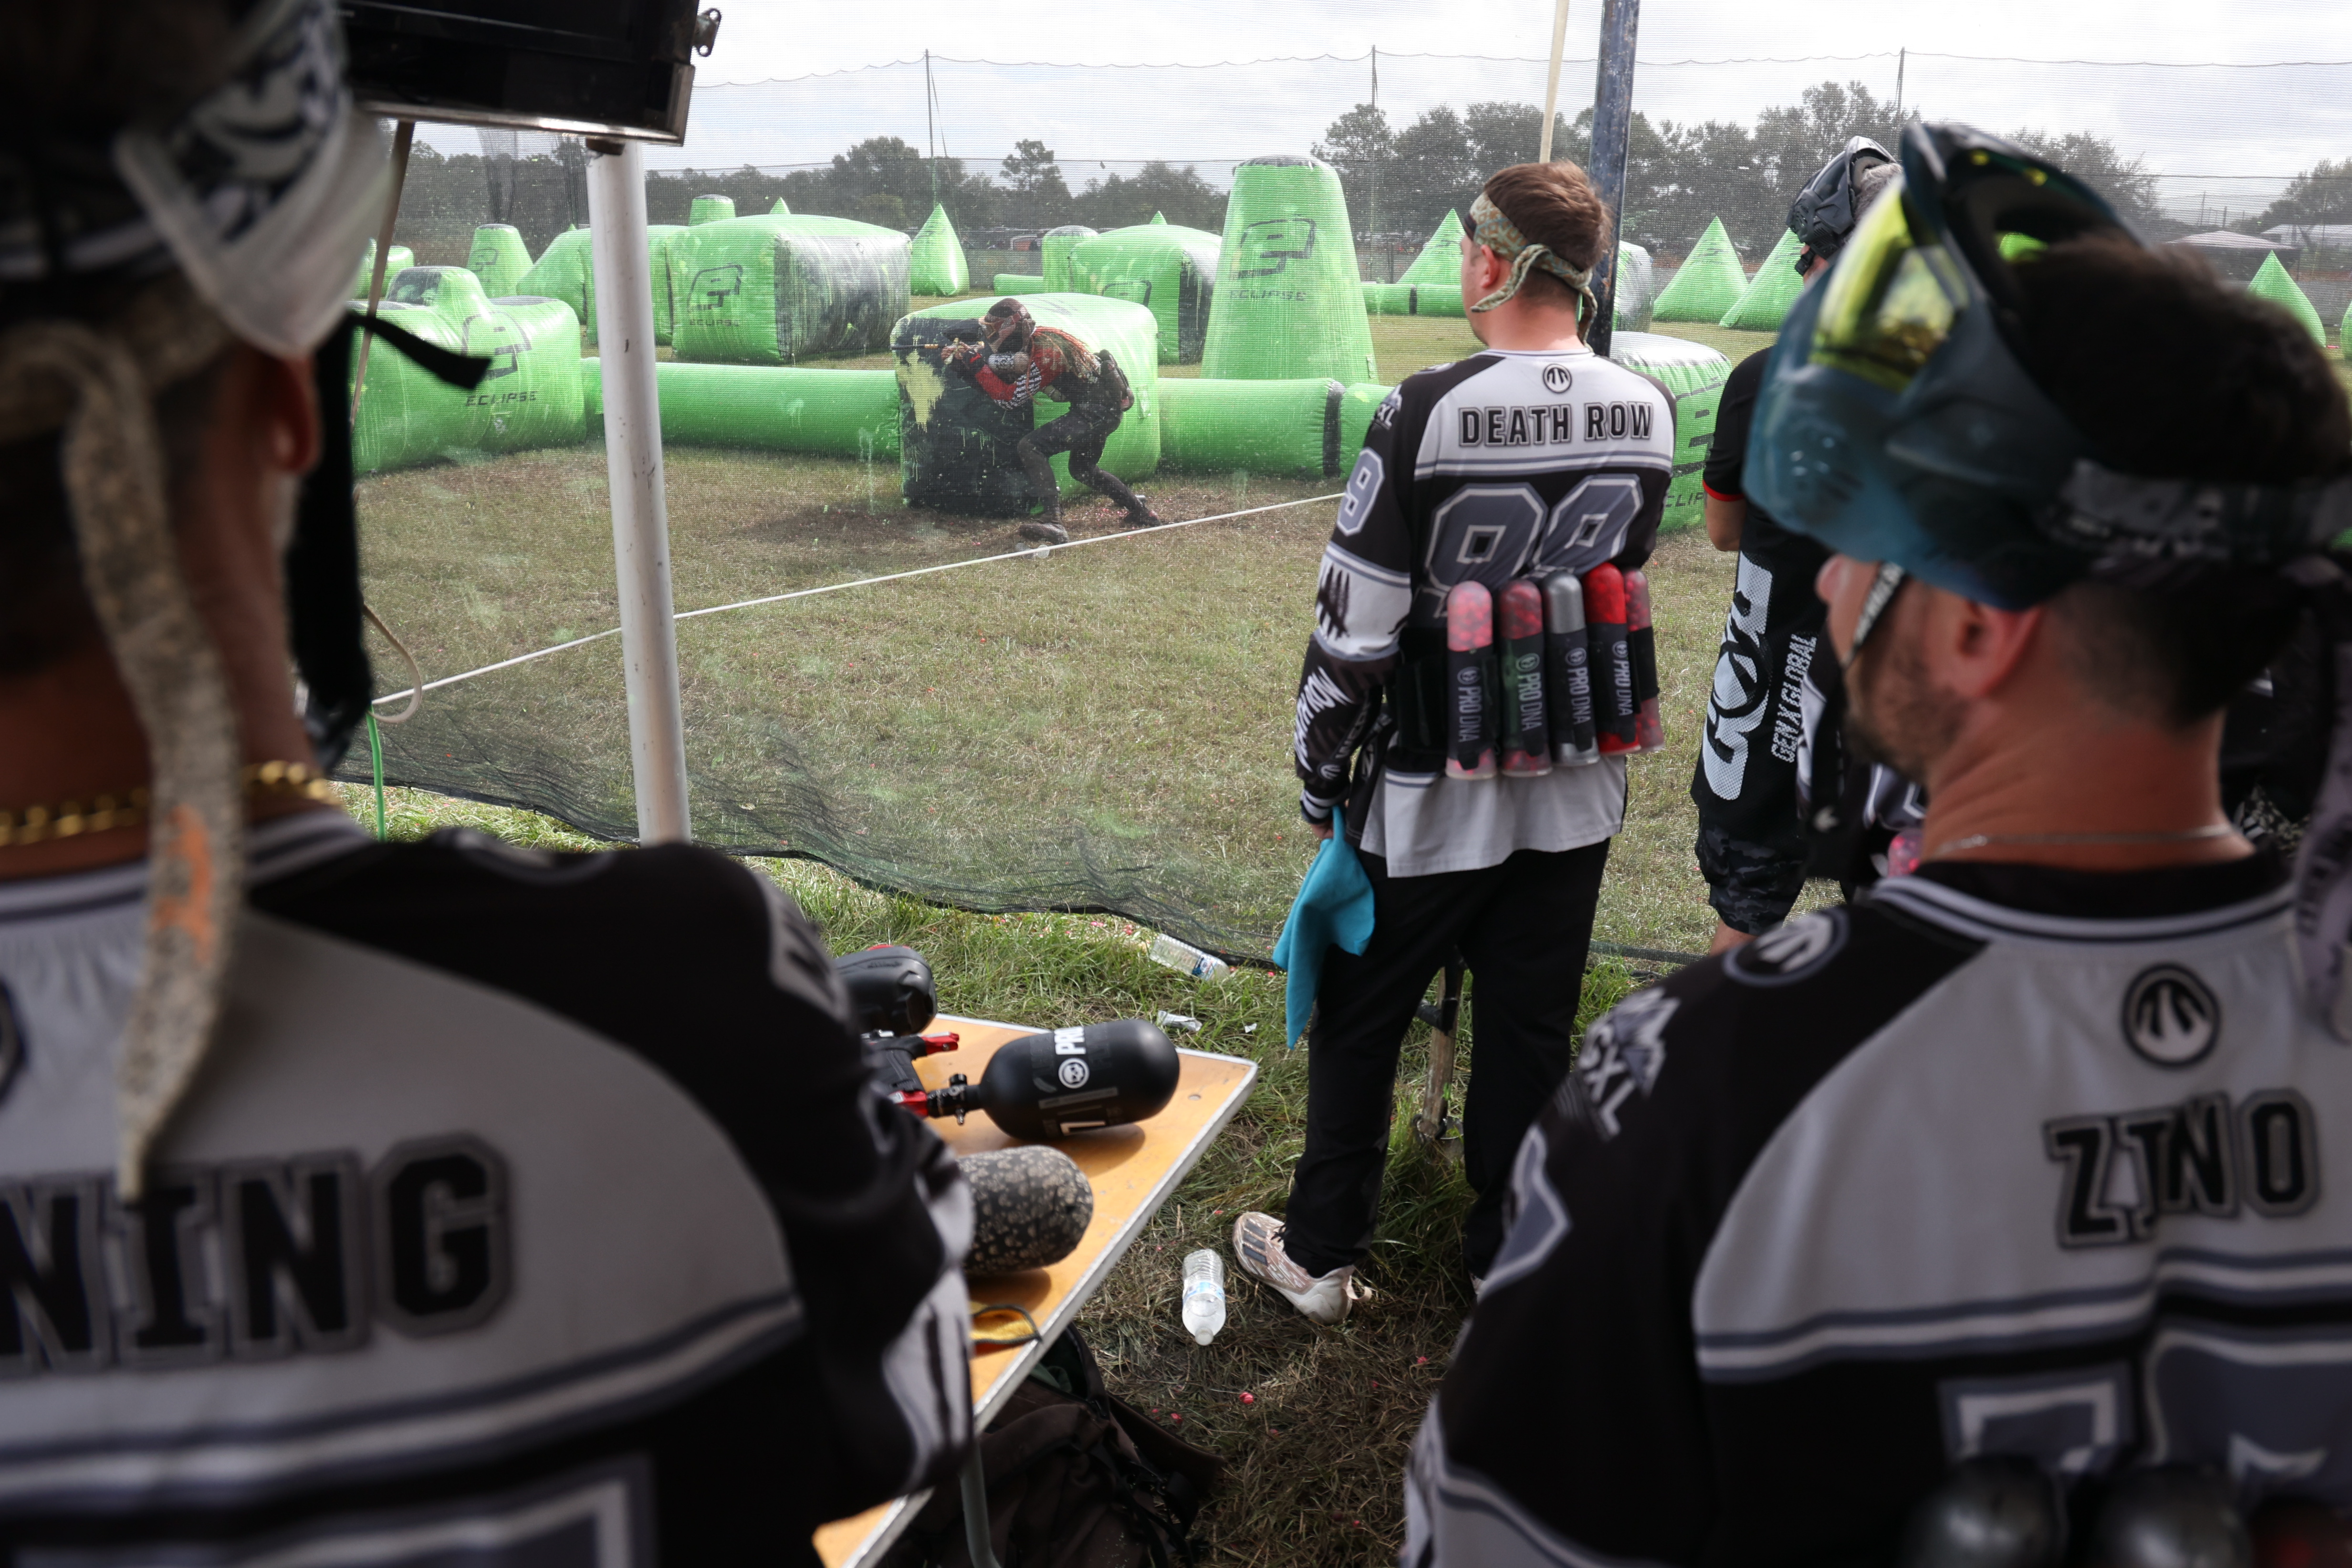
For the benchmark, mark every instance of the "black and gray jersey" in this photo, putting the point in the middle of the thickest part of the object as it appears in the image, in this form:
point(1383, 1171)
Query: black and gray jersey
point(1508, 464)
point(528, 1209)
point(2000, 1160)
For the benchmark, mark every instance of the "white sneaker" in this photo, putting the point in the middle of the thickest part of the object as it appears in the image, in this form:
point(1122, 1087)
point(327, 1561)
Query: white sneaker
point(1322, 1299)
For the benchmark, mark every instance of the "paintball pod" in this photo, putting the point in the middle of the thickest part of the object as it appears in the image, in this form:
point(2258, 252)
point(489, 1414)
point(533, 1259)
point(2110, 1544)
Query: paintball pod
point(891, 998)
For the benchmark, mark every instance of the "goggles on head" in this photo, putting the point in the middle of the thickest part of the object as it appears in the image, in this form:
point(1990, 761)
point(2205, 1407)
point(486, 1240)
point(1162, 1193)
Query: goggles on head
point(1897, 423)
point(1824, 212)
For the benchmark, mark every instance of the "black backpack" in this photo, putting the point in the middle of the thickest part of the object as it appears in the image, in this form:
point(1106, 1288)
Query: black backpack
point(1078, 1477)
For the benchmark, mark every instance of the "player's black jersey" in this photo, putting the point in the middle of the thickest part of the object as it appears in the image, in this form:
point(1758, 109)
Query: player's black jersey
point(1752, 843)
point(2000, 1160)
point(529, 1209)
point(1510, 464)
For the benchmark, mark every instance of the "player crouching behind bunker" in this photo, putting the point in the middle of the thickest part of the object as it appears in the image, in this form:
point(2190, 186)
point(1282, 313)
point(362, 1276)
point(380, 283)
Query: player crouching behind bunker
point(969, 389)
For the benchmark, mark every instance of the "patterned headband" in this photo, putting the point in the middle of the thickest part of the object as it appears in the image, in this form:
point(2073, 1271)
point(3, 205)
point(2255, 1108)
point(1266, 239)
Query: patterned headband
point(1501, 235)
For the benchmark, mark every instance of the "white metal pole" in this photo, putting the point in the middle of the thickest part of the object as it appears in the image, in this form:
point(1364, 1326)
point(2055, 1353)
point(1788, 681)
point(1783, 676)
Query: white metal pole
point(632, 460)
point(1551, 82)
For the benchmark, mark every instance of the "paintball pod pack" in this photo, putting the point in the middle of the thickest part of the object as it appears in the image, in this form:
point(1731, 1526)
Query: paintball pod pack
point(1557, 671)
point(2008, 1512)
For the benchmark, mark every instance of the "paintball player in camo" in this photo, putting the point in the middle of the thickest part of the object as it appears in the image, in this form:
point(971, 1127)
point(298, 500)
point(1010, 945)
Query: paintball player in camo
point(1021, 359)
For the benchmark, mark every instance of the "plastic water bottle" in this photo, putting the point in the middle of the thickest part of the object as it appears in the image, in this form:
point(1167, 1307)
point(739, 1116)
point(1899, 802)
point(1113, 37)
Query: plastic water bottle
point(1204, 1294)
point(1183, 955)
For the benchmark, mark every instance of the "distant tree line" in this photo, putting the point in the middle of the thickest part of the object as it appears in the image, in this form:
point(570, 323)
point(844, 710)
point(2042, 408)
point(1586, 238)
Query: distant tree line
point(2321, 194)
point(1677, 176)
point(1399, 180)
point(886, 181)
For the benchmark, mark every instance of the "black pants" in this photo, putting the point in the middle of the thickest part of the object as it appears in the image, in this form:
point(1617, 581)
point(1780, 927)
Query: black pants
point(1081, 433)
point(1524, 927)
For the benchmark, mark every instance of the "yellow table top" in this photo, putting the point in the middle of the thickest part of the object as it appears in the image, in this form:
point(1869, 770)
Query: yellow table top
point(1132, 1170)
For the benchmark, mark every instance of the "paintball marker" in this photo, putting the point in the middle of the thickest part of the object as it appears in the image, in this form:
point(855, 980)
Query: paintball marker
point(891, 998)
point(1046, 1085)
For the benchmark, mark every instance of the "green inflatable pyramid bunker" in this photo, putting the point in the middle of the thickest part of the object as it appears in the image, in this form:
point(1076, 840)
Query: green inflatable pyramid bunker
point(710, 209)
point(2272, 283)
point(1289, 304)
point(956, 444)
point(531, 396)
point(402, 258)
point(781, 209)
point(1765, 301)
point(1169, 270)
point(1708, 283)
point(1055, 247)
point(1439, 260)
point(776, 290)
point(1159, 217)
point(1695, 373)
point(935, 263)
point(499, 259)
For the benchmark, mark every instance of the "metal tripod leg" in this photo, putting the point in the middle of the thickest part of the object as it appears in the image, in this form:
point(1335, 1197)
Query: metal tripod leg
point(976, 1511)
point(1432, 1127)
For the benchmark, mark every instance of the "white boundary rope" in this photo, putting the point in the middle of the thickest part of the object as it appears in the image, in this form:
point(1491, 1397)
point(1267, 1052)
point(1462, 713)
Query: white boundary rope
point(1029, 554)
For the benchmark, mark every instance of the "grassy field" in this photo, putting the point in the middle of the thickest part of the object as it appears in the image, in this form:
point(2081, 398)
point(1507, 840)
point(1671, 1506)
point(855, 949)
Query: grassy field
point(1104, 726)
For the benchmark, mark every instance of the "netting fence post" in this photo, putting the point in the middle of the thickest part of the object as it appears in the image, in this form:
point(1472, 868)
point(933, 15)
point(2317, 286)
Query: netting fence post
point(1613, 129)
point(633, 464)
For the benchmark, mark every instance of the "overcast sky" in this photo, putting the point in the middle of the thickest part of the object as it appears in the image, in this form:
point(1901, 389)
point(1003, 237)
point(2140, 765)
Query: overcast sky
point(2193, 125)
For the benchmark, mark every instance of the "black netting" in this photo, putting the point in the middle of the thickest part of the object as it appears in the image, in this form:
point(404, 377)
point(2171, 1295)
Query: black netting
point(1107, 728)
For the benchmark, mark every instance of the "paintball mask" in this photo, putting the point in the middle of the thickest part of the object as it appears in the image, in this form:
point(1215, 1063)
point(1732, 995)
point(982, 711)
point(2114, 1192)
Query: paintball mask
point(1824, 212)
point(1897, 423)
point(1006, 326)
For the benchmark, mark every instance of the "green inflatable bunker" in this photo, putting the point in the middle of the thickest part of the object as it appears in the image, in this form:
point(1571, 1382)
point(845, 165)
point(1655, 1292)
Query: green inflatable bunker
point(781, 209)
point(1054, 247)
point(2270, 283)
point(566, 270)
point(782, 408)
point(531, 396)
point(1169, 270)
point(1637, 290)
point(1413, 299)
point(1764, 303)
point(710, 209)
point(1292, 427)
point(776, 290)
point(1707, 284)
point(1439, 260)
point(1356, 410)
point(402, 258)
point(1289, 305)
point(1695, 373)
point(935, 263)
point(956, 444)
point(499, 259)
point(1017, 283)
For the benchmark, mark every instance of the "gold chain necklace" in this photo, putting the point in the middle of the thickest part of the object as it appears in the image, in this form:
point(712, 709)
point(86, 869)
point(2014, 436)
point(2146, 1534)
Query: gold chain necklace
point(128, 808)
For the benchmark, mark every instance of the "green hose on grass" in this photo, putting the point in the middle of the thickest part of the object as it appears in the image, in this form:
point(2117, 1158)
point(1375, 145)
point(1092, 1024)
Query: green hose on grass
point(375, 759)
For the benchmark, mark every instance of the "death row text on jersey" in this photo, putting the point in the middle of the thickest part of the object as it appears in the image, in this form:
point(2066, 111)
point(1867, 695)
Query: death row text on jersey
point(1554, 424)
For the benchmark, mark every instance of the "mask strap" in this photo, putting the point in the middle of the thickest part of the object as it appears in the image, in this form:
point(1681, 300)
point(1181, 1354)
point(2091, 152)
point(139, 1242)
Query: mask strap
point(1883, 589)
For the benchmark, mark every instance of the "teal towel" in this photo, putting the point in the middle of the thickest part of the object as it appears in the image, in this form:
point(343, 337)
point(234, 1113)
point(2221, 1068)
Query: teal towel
point(1334, 910)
